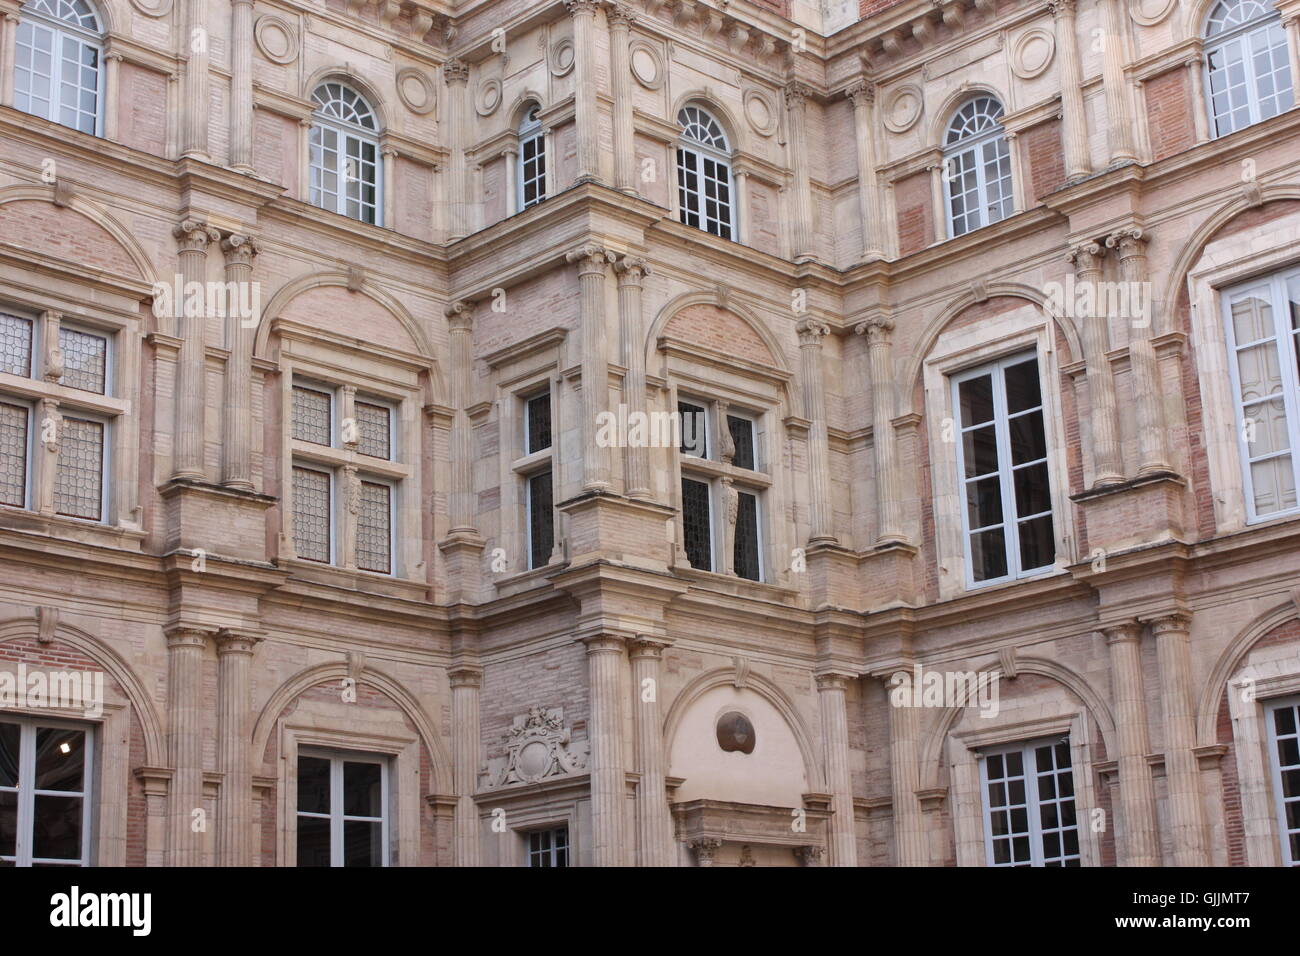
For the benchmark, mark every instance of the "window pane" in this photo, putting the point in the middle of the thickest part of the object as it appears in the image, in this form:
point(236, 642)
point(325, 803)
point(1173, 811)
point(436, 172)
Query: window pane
point(311, 416)
point(1037, 543)
point(975, 400)
point(60, 759)
point(13, 454)
point(1033, 493)
point(742, 435)
point(694, 429)
point(362, 789)
point(8, 822)
point(696, 524)
point(1022, 387)
point(56, 828)
point(84, 360)
point(311, 514)
point(313, 785)
point(15, 345)
point(988, 552)
point(79, 475)
point(1028, 438)
point(746, 556)
point(9, 737)
point(373, 429)
point(541, 520)
point(984, 502)
point(980, 451)
point(313, 841)
point(539, 423)
point(362, 843)
point(374, 528)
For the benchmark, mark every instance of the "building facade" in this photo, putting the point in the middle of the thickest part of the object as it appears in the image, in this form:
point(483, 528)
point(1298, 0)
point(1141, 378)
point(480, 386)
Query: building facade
point(499, 433)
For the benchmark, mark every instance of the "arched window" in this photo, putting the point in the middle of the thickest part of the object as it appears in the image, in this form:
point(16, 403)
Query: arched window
point(56, 63)
point(344, 154)
point(1248, 64)
point(704, 174)
point(977, 164)
point(532, 158)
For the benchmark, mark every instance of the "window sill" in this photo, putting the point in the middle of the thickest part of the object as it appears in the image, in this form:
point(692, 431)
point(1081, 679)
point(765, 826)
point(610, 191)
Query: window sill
point(733, 584)
point(120, 536)
point(354, 579)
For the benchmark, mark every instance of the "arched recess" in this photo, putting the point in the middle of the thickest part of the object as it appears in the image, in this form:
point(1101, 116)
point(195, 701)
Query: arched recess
point(522, 102)
point(722, 676)
point(295, 287)
point(363, 86)
point(736, 137)
point(943, 116)
point(96, 214)
point(1015, 290)
point(686, 299)
point(155, 751)
point(1072, 681)
point(1207, 706)
point(304, 680)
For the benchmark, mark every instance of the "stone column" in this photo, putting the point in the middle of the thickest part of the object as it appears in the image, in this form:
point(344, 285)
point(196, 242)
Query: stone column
point(1086, 258)
point(1200, 120)
point(863, 95)
point(237, 471)
point(821, 516)
point(510, 157)
point(654, 823)
point(460, 324)
point(241, 85)
point(586, 117)
point(939, 214)
point(1119, 107)
point(455, 74)
point(188, 433)
point(350, 489)
point(1018, 197)
point(889, 483)
point(51, 431)
point(835, 734)
point(235, 827)
point(741, 178)
point(631, 271)
point(1291, 23)
point(466, 682)
point(389, 185)
point(621, 17)
point(1152, 454)
point(593, 262)
point(195, 49)
point(185, 744)
point(1141, 845)
point(8, 50)
point(608, 786)
point(1182, 771)
point(1074, 126)
point(905, 776)
point(796, 96)
point(112, 83)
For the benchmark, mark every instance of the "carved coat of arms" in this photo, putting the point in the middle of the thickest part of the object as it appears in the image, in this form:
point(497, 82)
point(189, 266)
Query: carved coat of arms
point(538, 746)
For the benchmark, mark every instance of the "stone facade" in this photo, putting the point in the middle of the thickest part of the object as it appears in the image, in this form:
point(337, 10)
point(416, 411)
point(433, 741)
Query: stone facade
point(504, 699)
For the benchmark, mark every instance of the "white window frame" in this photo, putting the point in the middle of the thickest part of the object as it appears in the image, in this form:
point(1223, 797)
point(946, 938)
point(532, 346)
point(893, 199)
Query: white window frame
point(1288, 371)
point(343, 131)
point(336, 816)
point(1033, 800)
point(1006, 468)
point(721, 155)
point(27, 798)
point(1275, 766)
point(568, 845)
point(974, 146)
point(532, 131)
point(1244, 34)
point(61, 29)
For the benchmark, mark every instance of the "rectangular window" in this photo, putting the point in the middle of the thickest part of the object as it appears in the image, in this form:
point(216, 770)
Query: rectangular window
point(1263, 333)
point(537, 423)
point(1002, 462)
point(742, 436)
point(45, 772)
point(312, 514)
point(694, 429)
point(79, 474)
point(374, 429)
point(541, 520)
point(313, 415)
point(14, 452)
point(697, 524)
point(85, 360)
point(533, 179)
point(342, 810)
point(549, 847)
point(748, 551)
point(15, 345)
point(375, 528)
point(1284, 737)
point(1029, 806)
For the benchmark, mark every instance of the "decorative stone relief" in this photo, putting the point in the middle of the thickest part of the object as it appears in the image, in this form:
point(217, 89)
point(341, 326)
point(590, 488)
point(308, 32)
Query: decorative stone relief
point(1148, 13)
point(488, 97)
point(903, 108)
point(761, 112)
point(276, 38)
point(416, 91)
point(153, 8)
point(647, 64)
point(1033, 53)
point(561, 58)
point(538, 746)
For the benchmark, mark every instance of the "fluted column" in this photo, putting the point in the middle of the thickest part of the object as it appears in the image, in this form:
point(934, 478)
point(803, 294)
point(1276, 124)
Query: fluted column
point(237, 470)
point(466, 682)
point(460, 326)
point(235, 826)
point(796, 96)
point(905, 776)
point(835, 733)
point(654, 824)
point(593, 262)
point(8, 50)
point(1182, 770)
point(889, 482)
point(112, 96)
point(1119, 107)
point(863, 95)
point(188, 434)
point(821, 518)
point(608, 787)
point(621, 17)
point(241, 85)
point(185, 745)
point(1152, 453)
point(631, 271)
point(1086, 258)
point(1074, 124)
point(1200, 121)
point(1291, 23)
point(455, 73)
point(584, 86)
point(1141, 846)
point(196, 50)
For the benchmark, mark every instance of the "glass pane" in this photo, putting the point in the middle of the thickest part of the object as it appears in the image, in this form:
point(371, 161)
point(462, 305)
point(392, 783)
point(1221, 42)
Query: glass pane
point(988, 551)
point(8, 822)
point(60, 758)
point(374, 528)
point(84, 358)
point(696, 524)
point(541, 519)
point(311, 514)
point(311, 416)
point(1273, 482)
point(1259, 372)
point(362, 843)
point(539, 423)
point(1037, 543)
point(1033, 493)
point(984, 502)
point(15, 345)
point(1264, 428)
point(56, 827)
point(373, 429)
point(980, 451)
point(313, 841)
point(79, 475)
point(1028, 439)
point(742, 435)
point(362, 789)
point(1252, 317)
point(746, 544)
point(1022, 387)
point(694, 430)
point(313, 785)
point(9, 739)
point(975, 400)
point(13, 454)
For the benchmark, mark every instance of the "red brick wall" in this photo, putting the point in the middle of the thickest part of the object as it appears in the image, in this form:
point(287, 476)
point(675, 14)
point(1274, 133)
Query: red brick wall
point(1046, 155)
point(51, 231)
point(716, 328)
point(142, 108)
point(915, 219)
point(1169, 113)
point(868, 7)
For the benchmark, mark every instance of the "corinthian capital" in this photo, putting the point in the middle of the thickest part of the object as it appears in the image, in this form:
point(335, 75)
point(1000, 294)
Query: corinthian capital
point(796, 93)
point(862, 93)
point(583, 8)
point(620, 15)
point(1061, 8)
point(455, 71)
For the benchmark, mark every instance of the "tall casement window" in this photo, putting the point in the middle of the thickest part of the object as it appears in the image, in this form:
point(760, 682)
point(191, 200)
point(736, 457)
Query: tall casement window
point(57, 55)
point(1247, 63)
point(549, 847)
point(345, 471)
point(343, 813)
point(977, 166)
point(1284, 747)
point(1002, 463)
point(45, 804)
point(532, 159)
point(535, 473)
point(704, 174)
point(1262, 319)
point(1029, 815)
point(35, 415)
point(723, 484)
point(345, 164)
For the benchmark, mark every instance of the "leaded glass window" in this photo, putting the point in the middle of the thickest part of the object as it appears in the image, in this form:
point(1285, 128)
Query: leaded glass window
point(697, 524)
point(313, 415)
point(375, 528)
point(541, 520)
point(79, 474)
point(85, 360)
point(746, 549)
point(15, 345)
point(14, 445)
point(374, 429)
point(312, 519)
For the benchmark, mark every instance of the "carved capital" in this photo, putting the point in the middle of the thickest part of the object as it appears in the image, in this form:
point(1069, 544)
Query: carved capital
point(1061, 9)
point(183, 635)
point(460, 316)
point(592, 259)
point(240, 249)
point(1086, 257)
point(877, 330)
point(466, 675)
point(581, 8)
point(862, 93)
point(796, 94)
point(632, 269)
point(1176, 623)
point(811, 332)
point(1123, 632)
point(1129, 242)
point(194, 236)
point(620, 15)
point(455, 71)
point(236, 641)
